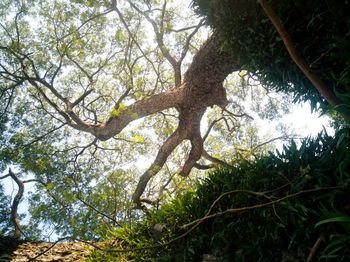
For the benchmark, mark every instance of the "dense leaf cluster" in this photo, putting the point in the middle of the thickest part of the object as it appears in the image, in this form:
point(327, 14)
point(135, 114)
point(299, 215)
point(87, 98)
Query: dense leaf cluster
point(285, 231)
point(320, 31)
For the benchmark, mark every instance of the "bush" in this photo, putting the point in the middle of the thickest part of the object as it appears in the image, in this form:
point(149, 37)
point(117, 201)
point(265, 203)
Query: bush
point(317, 173)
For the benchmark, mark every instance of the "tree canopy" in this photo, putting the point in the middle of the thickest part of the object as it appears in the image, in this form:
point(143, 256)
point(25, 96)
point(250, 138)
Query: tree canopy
point(88, 87)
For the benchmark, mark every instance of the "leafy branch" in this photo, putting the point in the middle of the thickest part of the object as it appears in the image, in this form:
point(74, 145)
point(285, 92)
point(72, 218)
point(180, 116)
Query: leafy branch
point(298, 60)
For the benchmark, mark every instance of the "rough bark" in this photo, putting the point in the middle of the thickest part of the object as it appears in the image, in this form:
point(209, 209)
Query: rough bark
point(14, 207)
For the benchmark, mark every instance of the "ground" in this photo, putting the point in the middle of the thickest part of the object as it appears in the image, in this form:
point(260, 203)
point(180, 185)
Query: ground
point(20, 251)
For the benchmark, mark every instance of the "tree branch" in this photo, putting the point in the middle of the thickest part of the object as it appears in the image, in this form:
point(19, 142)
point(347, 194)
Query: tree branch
point(194, 156)
point(44, 135)
point(121, 17)
point(156, 103)
point(15, 203)
point(248, 208)
point(212, 124)
point(166, 149)
point(207, 156)
point(92, 207)
point(188, 40)
point(159, 32)
point(298, 60)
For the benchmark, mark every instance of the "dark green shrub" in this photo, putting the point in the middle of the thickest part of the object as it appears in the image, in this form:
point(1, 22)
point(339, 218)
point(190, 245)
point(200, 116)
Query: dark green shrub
point(285, 231)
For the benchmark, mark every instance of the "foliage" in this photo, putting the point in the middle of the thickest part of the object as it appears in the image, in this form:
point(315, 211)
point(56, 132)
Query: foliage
point(5, 223)
point(285, 231)
point(59, 200)
point(319, 29)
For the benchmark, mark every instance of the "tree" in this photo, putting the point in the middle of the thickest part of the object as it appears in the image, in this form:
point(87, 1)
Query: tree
point(77, 77)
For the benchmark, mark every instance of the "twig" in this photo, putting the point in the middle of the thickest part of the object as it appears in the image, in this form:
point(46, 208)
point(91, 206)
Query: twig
point(98, 211)
point(4, 176)
point(243, 209)
point(207, 156)
point(237, 115)
point(37, 139)
point(46, 250)
point(249, 192)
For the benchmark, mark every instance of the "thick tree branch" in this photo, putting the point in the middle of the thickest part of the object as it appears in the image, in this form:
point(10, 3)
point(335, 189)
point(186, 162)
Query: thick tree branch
point(156, 103)
point(202, 167)
point(15, 203)
point(166, 149)
point(194, 156)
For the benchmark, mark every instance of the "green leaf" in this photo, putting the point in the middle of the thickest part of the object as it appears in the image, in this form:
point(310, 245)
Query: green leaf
point(117, 111)
point(339, 219)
